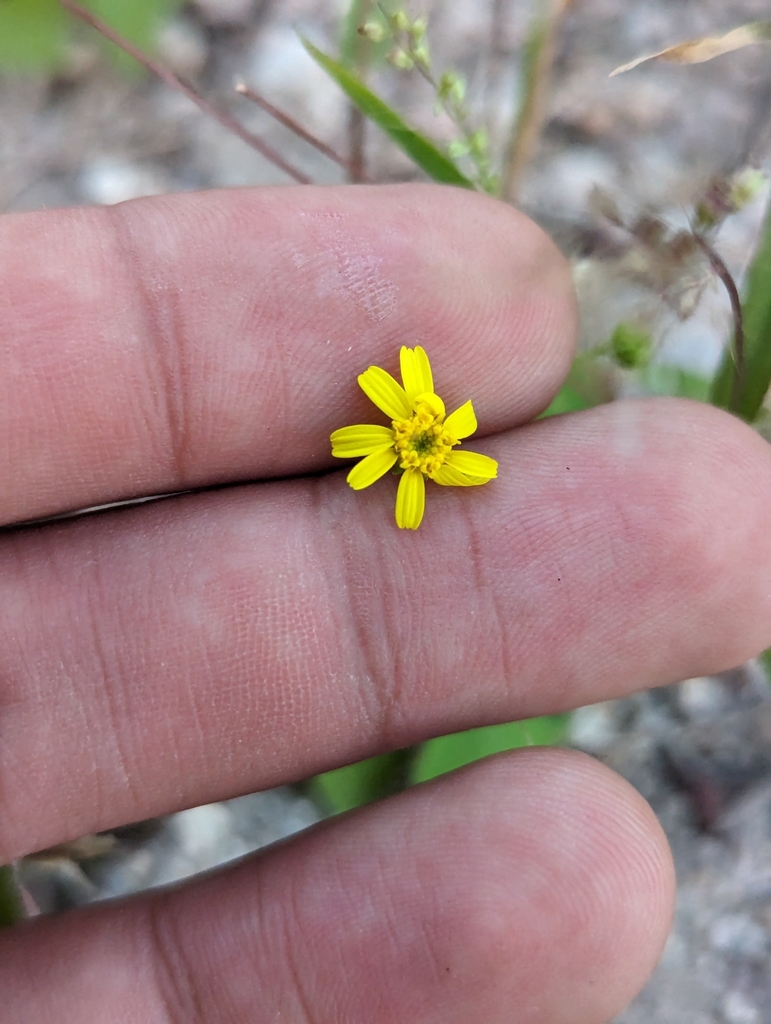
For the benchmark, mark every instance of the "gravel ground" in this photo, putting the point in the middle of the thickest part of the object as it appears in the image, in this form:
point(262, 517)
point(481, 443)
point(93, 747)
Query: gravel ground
point(700, 752)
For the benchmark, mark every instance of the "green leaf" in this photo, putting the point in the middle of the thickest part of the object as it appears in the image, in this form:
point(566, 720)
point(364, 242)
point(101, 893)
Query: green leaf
point(32, 34)
point(361, 783)
point(566, 400)
point(417, 147)
point(747, 398)
point(448, 752)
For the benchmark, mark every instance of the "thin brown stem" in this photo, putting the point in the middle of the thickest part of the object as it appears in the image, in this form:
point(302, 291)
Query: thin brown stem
point(289, 122)
point(357, 130)
point(361, 58)
point(729, 284)
point(180, 85)
point(536, 82)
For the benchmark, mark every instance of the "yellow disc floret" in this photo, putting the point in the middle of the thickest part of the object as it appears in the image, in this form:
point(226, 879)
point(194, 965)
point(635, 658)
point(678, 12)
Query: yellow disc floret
point(422, 442)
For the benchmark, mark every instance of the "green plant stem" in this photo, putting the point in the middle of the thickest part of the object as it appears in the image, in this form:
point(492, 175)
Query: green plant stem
point(11, 906)
point(356, 53)
point(741, 389)
point(423, 153)
point(726, 277)
point(455, 111)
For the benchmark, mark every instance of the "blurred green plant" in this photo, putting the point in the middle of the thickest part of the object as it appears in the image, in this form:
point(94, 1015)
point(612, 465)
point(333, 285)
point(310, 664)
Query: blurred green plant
point(419, 149)
point(359, 50)
point(11, 908)
point(743, 389)
point(35, 34)
point(446, 753)
point(355, 784)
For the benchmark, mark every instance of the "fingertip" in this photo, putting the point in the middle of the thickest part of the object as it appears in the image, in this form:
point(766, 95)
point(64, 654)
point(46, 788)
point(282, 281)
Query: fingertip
point(577, 889)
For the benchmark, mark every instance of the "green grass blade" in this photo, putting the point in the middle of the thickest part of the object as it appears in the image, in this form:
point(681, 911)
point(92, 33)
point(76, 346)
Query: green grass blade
point(345, 788)
point(746, 399)
point(418, 148)
point(342, 789)
point(449, 752)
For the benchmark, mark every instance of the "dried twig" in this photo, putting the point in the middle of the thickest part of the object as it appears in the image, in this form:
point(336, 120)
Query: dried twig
point(357, 131)
point(180, 85)
point(536, 81)
point(726, 277)
point(289, 122)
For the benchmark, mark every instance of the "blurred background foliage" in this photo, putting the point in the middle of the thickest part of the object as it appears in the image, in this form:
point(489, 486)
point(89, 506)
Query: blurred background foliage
point(34, 34)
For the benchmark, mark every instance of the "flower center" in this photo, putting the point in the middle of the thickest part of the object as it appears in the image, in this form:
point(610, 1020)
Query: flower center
point(422, 442)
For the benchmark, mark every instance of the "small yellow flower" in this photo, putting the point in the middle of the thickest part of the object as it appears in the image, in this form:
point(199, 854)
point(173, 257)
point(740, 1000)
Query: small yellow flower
point(420, 438)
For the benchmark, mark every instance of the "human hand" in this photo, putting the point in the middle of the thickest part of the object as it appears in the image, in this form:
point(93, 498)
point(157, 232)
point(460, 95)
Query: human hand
point(184, 651)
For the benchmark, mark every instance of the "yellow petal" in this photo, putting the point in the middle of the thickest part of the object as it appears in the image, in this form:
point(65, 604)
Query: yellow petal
point(416, 371)
point(410, 499)
point(462, 422)
point(372, 468)
point(361, 439)
point(447, 476)
point(473, 464)
point(385, 392)
point(434, 403)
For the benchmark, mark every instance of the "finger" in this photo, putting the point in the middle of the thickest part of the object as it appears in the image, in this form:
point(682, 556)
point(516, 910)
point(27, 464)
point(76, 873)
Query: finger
point(535, 887)
point(221, 643)
point(189, 340)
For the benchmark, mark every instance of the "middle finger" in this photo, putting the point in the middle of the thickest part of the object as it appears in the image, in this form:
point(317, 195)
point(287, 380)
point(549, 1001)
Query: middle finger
point(179, 653)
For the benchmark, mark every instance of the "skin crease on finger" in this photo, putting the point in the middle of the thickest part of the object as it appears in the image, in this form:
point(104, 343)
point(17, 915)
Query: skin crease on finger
point(533, 888)
point(182, 652)
point(187, 340)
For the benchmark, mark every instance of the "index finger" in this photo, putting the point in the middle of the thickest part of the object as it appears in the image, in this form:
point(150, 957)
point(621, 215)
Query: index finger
point(197, 339)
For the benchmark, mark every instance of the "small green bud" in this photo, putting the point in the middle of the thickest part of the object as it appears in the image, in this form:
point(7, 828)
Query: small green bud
point(421, 55)
point(458, 90)
point(418, 28)
point(745, 186)
point(400, 59)
point(400, 21)
point(373, 30)
point(458, 148)
point(452, 86)
point(630, 347)
point(479, 143)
